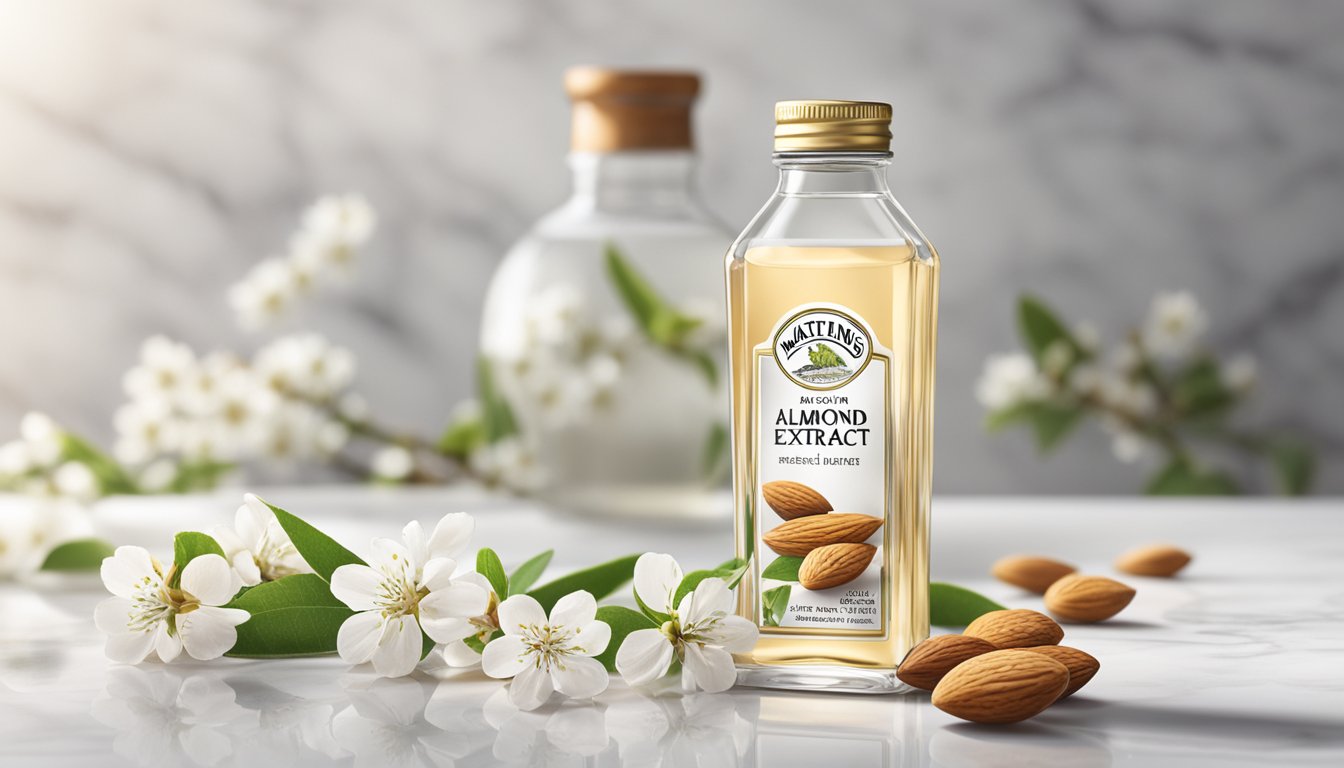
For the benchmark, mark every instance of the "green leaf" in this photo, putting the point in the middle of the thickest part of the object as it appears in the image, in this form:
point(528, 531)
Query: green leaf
point(1040, 328)
point(783, 568)
point(776, 604)
point(489, 566)
point(601, 580)
point(657, 617)
point(953, 606)
point(1050, 422)
point(78, 555)
point(299, 590)
point(692, 580)
point(426, 645)
point(714, 457)
point(188, 546)
point(112, 479)
point(704, 362)
point(1295, 466)
point(289, 632)
point(527, 574)
point(733, 570)
point(1198, 391)
point(622, 621)
point(497, 417)
point(651, 313)
point(1181, 478)
point(322, 553)
point(196, 476)
point(462, 437)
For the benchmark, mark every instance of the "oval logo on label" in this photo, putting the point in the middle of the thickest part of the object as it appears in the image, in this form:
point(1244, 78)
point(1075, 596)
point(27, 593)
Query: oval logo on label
point(822, 348)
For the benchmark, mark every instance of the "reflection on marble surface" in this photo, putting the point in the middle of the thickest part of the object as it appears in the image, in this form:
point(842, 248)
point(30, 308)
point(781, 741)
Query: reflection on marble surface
point(1092, 151)
point(1232, 664)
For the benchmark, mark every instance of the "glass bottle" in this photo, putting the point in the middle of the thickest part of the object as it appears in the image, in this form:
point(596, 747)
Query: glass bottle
point(603, 326)
point(832, 294)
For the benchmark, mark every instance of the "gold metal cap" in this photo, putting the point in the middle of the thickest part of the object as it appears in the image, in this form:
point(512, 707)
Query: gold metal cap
point(617, 109)
point(832, 126)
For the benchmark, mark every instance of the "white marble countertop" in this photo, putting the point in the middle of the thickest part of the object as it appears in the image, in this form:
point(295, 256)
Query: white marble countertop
point(1240, 661)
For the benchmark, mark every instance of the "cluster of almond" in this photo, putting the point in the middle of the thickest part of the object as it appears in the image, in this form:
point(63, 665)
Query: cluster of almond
point(1076, 597)
point(1008, 665)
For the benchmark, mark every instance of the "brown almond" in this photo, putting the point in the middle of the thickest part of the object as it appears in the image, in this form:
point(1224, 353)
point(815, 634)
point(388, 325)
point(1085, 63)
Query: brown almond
point(1016, 628)
point(1157, 560)
point(834, 564)
point(1082, 666)
point(792, 500)
point(1001, 687)
point(1032, 573)
point(929, 661)
point(798, 537)
point(1087, 598)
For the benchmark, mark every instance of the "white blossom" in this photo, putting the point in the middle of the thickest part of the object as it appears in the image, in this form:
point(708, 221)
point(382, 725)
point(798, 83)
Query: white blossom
point(544, 654)
point(265, 293)
point(1174, 325)
point(15, 459)
point(257, 547)
point(163, 372)
point(306, 365)
point(1129, 446)
point(334, 227)
point(392, 462)
point(43, 437)
point(508, 462)
point(74, 480)
point(1010, 379)
point(408, 587)
point(147, 614)
point(146, 429)
point(702, 634)
point(157, 476)
point(1239, 373)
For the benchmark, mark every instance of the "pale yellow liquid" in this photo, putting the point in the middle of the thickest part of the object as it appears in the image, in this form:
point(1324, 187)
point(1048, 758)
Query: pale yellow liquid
point(897, 294)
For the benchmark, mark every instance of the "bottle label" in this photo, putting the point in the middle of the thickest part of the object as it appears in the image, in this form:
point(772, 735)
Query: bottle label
point(823, 427)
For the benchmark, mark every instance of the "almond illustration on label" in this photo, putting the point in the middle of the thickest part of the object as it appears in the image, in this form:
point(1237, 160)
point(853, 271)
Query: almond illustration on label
point(835, 564)
point(792, 500)
point(799, 537)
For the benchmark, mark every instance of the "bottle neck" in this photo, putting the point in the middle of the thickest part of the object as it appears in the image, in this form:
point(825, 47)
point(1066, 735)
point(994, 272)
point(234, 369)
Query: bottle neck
point(834, 173)
point(628, 182)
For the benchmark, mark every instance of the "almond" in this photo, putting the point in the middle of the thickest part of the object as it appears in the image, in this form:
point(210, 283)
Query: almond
point(1082, 666)
point(1001, 687)
point(798, 537)
point(792, 500)
point(1086, 598)
point(929, 661)
point(1034, 574)
point(834, 564)
point(1016, 628)
point(1156, 560)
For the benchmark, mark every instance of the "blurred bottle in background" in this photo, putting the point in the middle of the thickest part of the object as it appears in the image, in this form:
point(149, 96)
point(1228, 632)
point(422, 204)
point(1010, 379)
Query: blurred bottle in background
point(603, 326)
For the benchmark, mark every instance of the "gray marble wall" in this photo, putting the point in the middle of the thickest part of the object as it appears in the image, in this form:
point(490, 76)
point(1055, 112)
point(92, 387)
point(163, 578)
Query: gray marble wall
point(1092, 151)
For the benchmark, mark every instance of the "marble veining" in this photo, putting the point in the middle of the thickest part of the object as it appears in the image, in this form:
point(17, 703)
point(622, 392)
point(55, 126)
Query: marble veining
point(1092, 151)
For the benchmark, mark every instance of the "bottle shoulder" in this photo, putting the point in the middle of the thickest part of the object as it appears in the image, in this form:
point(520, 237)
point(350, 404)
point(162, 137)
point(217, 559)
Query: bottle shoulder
point(867, 220)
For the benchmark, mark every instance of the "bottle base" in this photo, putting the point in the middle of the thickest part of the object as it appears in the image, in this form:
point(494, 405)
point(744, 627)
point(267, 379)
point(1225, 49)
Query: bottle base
point(834, 679)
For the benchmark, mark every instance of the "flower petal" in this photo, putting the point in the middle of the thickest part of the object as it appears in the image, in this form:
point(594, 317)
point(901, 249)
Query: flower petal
point(417, 544)
point(593, 638)
point(113, 616)
point(252, 520)
point(399, 649)
point(126, 569)
point(519, 612)
point(504, 657)
point(209, 632)
point(129, 647)
point(357, 586)
point(710, 599)
point(657, 577)
point(246, 567)
point(444, 614)
point(437, 573)
point(209, 579)
point(734, 634)
point(712, 668)
point(459, 654)
point(358, 636)
point(580, 677)
point(644, 656)
point(574, 610)
point(530, 688)
point(452, 535)
point(391, 556)
point(166, 646)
